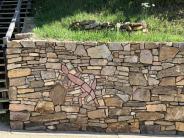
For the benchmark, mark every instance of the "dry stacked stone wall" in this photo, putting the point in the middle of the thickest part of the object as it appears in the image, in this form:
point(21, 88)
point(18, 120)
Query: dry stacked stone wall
point(99, 87)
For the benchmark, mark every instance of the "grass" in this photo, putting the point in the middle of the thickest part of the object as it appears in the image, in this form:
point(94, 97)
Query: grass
point(165, 21)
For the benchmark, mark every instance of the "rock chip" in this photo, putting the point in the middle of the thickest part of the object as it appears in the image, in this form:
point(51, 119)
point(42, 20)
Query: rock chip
point(58, 94)
point(100, 52)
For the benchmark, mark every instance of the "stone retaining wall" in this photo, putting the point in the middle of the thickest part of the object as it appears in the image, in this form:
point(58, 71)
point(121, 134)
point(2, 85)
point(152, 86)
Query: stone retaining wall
point(114, 87)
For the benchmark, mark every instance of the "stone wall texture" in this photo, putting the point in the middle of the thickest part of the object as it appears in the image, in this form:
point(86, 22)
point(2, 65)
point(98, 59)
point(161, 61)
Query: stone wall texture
point(99, 87)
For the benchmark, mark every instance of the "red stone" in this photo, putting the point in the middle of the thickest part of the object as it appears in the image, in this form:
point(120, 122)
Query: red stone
point(64, 69)
point(75, 80)
point(86, 87)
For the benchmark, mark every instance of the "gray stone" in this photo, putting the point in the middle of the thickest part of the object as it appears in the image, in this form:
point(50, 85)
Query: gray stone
point(146, 57)
point(137, 79)
point(34, 126)
point(142, 94)
point(124, 111)
point(70, 46)
point(37, 84)
point(108, 70)
point(177, 70)
point(28, 43)
point(19, 116)
point(123, 97)
point(46, 75)
point(150, 129)
point(16, 125)
point(100, 52)
point(164, 90)
point(131, 59)
point(98, 62)
point(142, 116)
point(80, 51)
point(116, 46)
point(58, 94)
point(68, 127)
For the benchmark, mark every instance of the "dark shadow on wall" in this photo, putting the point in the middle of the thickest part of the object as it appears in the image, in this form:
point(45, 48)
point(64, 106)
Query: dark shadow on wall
point(47, 11)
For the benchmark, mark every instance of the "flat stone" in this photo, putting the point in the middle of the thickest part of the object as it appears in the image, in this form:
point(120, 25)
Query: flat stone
point(27, 90)
point(164, 90)
point(19, 116)
point(146, 57)
point(142, 116)
point(131, 59)
point(150, 129)
point(177, 70)
point(108, 70)
point(58, 94)
point(34, 126)
point(179, 126)
point(51, 55)
point(17, 81)
point(151, 45)
point(142, 94)
point(44, 107)
point(35, 95)
point(13, 66)
point(153, 81)
point(12, 93)
point(167, 53)
point(70, 45)
point(13, 60)
point(124, 97)
point(168, 81)
point(37, 84)
point(46, 75)
point(53, 65)
point(114, 102)
point(98, 62)
point(156, 107)
point(125, 118)
point(167, 65)
point(124, 111)
point(14, 43)
point(80, 51)
point(68, 127)
point(27, 43)
point(13, 51)
point(115, 46)
point(70, 109)
point(16, 125)
point(137, 79)
point(100, 52)
point(97, 114)
point(15, 73)
point(175, 113)
point(48, 117)
point(21, 107)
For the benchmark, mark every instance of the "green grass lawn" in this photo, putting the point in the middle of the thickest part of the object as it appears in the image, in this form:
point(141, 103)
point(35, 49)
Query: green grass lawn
point(165, 21)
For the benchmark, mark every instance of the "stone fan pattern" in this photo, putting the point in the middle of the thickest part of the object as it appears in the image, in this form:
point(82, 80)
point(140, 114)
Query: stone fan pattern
point(85, 88)
point(139, 86)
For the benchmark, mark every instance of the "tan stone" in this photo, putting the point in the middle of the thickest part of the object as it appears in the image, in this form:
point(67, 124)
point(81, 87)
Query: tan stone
point(179, 126)
point(156, 107)
point(142, 94)
point(137, 79)
point(175, 113)
point(180, 83)
point(17, 81)
point(14, 43)
point(48, 117)
point(21, 107)
point(15, 73)
point(58, 94)
point(146, 57)
point(167, 53)
point(149, 116)
point(169, 81)
point(21, 91)
point(44, 107)
point(114, 102)
point(53, 65)
point(70, 109)
point(124, 111)
point(97, 114)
